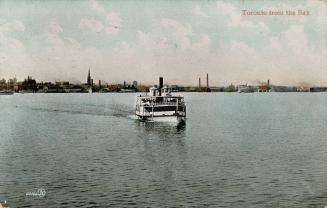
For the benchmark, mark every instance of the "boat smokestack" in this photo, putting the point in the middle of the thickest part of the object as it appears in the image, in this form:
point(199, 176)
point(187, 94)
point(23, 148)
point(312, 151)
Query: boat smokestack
point(160, 85)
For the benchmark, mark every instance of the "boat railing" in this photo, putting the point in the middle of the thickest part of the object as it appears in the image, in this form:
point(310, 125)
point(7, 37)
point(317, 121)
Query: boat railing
point(162, 103)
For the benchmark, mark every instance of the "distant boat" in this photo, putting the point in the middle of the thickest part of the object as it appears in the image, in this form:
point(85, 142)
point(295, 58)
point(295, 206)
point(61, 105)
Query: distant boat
point(160, 105)
point(247, 89)
point(90, 90)
point(6, 92)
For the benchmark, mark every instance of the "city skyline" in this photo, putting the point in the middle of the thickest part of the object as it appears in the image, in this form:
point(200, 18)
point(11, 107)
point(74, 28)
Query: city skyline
point(181, 41)
point(89, 81)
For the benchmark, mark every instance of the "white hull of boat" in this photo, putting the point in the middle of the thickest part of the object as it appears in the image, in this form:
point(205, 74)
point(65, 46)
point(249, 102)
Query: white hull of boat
point(168, 119)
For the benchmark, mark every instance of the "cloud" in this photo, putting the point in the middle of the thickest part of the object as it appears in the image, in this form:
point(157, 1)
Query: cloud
point(225, 45)
point(15, 25)
point(263, 27)
point(274, 43)
point(114, 23)
point(154, 53)
point(197, 11)
point(235, 18)
point(18, 25)
point(97, 6)
point(111, 24)
point(290, 52)
point(62, 56)
point(53, 32)
point(181, 33)
point(91, 24)
point(54, 27)
point(14, 58)
point(296, 38)
point(10, 44)
point(321, 10)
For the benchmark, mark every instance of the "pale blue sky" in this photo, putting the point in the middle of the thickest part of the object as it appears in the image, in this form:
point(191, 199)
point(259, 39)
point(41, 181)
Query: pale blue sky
point(180, 40)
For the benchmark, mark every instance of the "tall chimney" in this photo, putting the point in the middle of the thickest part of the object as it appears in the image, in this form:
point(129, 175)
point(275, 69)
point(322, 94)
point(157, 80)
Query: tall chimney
point(160, 85)
point(89, 78)
point(207, 81)
point(199, 82)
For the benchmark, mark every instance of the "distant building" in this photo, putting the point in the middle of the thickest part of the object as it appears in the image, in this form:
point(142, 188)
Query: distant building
point(62, 83)
point(89, 79)
point(114, 88)
point(303, 89)
point(12, 84)
point(283, 89)
point(200, 88)
point(191, 89)
point(176, 88)
point(218, 89)
point(128, 90)
point(74, 89)
point(3, 84)
point(264, 87)
point(318, 89)
point(247, 88)
point(53, 88)
point(29, 85)
point(230, 88)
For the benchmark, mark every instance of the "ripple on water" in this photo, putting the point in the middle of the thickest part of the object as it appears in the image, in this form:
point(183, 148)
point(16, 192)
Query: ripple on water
point(240, 151)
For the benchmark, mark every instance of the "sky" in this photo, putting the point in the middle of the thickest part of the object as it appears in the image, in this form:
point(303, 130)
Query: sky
point(54, 40)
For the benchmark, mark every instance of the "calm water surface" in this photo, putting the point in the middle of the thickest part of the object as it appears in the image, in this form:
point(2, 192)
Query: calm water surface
point(236, 150)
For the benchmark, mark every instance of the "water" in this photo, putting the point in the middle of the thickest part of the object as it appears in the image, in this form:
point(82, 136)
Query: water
point(236, 150)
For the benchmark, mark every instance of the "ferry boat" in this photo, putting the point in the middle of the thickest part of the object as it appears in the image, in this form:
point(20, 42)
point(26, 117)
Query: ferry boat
point(160, 105)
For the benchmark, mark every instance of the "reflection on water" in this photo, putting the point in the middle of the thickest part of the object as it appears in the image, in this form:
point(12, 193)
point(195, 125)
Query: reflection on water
point(181, 127)
point(163, 128)
point(165, 153)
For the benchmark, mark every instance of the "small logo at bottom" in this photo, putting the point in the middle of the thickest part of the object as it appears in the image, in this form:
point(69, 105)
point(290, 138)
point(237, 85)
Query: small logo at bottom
point(4, 205)
point(38, 193)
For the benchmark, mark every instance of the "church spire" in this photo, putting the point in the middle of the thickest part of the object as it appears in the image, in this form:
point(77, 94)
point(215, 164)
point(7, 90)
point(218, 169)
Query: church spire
point(89, 78)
